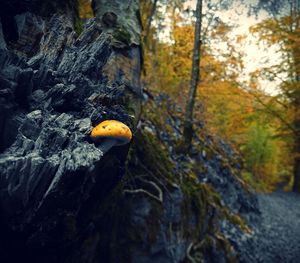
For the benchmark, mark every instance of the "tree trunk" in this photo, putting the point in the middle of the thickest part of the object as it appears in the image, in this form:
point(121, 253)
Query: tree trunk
point(120, 17)
point(121, 20)
point(55, 87)
point(296, 184)
point(295, 10)
point(188, 121)
point(296, 170)
point(149, 21)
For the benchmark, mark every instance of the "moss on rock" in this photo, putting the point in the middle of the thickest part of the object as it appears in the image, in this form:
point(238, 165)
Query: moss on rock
point(121, 37)
point(137, 215)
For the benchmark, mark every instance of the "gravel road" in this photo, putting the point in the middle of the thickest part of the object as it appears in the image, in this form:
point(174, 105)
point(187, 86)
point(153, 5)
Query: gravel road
point(276, 231)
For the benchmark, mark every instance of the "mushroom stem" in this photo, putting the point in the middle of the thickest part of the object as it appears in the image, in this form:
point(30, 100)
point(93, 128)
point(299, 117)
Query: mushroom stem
point(107, 144)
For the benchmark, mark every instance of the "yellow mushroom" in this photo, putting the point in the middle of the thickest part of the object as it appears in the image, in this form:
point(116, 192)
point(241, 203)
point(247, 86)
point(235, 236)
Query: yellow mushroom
point(111, 133)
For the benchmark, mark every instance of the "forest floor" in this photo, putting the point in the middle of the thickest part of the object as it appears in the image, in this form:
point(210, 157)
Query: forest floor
point(277, 231)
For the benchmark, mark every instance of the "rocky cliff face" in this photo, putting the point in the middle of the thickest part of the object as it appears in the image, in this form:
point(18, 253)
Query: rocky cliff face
point(61, 198)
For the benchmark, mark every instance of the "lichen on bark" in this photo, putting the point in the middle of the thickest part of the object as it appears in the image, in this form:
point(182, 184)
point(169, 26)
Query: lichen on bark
point(122, 18)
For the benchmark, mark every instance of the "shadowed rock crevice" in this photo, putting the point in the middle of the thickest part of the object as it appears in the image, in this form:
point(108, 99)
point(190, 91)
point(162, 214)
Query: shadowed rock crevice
point(51, 87)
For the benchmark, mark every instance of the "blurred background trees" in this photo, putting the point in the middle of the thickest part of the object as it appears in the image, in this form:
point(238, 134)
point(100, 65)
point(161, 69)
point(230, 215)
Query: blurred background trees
point(263, 126)
point(283, 30)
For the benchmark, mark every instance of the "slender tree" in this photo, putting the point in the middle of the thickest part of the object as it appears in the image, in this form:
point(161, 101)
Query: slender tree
point(188, 121)
point(149, 20)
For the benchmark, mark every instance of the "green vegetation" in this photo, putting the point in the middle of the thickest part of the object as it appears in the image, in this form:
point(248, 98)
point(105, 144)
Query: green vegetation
point(122, 35)
point(260, 152)
point(150, 172)
point(78, 26)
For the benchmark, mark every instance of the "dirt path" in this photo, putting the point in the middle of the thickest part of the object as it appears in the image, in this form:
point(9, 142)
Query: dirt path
point(276, 235)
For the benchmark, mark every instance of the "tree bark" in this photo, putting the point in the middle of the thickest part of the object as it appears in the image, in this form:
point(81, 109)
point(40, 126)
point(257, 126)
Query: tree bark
point(149, 21)
point(123, 17)
point(294, 13)
point(188, 121)
point(296, 171)
point(296, 152)
point(121, 21)
point(56, 85)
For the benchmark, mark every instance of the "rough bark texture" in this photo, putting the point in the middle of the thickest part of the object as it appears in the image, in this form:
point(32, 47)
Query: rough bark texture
point(149, 21)
point(188, 122)
point(295, 11)
point(54, 87)
point(61, 199)
point(120, 16)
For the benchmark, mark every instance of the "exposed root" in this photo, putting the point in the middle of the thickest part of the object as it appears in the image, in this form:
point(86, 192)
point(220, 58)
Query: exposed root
point(197, 256)
point(142, 191)
point(159, 197)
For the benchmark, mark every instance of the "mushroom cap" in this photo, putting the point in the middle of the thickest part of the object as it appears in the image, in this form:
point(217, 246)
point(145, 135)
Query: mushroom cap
point(112, 129)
